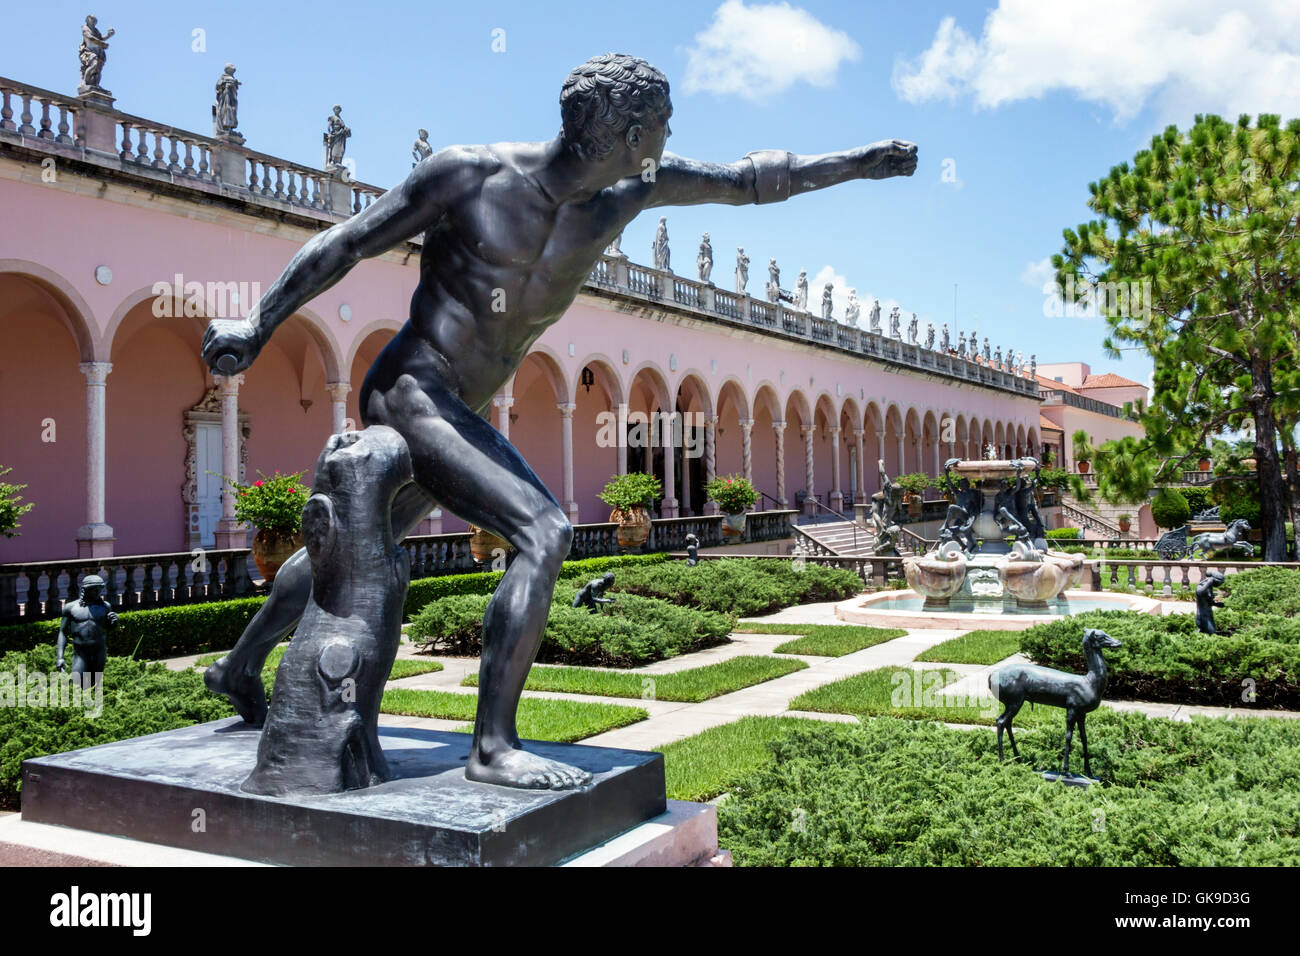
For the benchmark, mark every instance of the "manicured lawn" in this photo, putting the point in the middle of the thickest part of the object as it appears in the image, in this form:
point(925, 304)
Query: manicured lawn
point(823, 640)
point(700, 767)
point(539, 719)
point(401, 668)
point(912, 694)
point(977, 647)
point(691, 686)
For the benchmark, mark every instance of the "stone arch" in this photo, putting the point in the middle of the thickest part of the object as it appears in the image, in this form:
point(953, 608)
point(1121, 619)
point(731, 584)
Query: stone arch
point(363, 333)
point(73, 310)
point(606, 375)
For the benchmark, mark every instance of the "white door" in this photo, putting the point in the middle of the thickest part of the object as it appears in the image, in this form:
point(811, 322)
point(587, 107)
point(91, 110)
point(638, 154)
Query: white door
point(207, 448)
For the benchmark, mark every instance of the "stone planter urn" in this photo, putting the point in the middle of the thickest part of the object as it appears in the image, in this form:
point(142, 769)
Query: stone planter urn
point(483, 544)
point(633, 526)
point(271, 549)
point(733, 525)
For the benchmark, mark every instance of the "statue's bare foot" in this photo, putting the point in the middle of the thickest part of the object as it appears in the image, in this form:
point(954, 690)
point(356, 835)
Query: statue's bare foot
point(245, 692)
point(511, 767)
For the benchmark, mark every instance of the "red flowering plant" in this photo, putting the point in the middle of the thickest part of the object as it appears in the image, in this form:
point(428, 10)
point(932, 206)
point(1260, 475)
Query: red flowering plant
point(733, 493)
point(273, 504)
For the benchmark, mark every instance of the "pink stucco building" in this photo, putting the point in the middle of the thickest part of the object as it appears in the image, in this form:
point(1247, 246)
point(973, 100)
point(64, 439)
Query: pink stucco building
point(134, 234)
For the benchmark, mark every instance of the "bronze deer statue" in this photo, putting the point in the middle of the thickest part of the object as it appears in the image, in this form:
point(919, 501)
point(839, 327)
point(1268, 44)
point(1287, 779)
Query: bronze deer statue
point(1079, 694)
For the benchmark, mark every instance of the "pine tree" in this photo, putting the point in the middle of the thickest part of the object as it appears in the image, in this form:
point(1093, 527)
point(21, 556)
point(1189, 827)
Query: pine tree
point(1196, 258)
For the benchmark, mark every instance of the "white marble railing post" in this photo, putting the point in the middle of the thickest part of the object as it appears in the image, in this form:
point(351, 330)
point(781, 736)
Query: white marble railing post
point(837, 492)
point(566, 452)
point(338, 393)
point(503, 404)
point(228, 532)
point(620, 450)
point(710, 459)
point(778, 428)
point(95, 537)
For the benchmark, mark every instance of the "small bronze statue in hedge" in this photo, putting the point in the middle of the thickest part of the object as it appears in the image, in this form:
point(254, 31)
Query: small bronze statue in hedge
point(1205, 603)
point(87, 621)
point(592, 594)
point(692, 551)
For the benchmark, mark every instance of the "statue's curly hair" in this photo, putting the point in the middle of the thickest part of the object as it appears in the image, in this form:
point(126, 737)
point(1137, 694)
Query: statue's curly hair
point(606, 95)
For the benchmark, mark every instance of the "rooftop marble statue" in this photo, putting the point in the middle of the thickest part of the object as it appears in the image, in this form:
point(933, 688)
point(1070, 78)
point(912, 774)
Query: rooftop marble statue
point(929, 336)
point(704, 261)
point(742, 269)
point(875, 315)
point(93, 54)
point(529, 220)
point(773, 281)
point(945, 343)
point(801, 291)
point(895, 329)
point(660, 246)
point(912, 331)
point(335, 138)
point(853, 310)
point(828, 302)
point(225, 111)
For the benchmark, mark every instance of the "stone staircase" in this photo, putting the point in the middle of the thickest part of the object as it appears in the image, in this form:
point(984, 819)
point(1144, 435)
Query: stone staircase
point(1097, 518)
point(836, 537)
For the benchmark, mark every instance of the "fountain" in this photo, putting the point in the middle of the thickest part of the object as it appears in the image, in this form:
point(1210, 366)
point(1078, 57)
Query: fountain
point(991, 560)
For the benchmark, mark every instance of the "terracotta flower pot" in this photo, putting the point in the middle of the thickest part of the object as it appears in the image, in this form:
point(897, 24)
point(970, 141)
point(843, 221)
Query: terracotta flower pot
point(484, 545)
point(271, 549)
point(1125, 524)
point(1084, 466)
point(914, 505)
point(633, 526)
point(733, 525)
point(1203, 464)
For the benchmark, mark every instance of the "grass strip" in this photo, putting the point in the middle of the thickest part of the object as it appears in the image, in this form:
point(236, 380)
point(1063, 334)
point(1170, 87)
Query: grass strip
point(689, 686)
point(563, 721)
point(976, 647)
point(823, 640)
point(703, 766)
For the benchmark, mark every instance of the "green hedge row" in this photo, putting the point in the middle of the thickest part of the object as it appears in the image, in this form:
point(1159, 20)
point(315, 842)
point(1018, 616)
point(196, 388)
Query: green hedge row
point(1254, 662)
point(217, 625)
point(427, 590)
point(634, 630)
point(740, 586)
point(1057, 534)
point(893, 792)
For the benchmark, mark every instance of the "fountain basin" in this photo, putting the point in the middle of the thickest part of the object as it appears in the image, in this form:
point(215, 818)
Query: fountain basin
point(1032, 583)
point(936, 578)
point(906, 609)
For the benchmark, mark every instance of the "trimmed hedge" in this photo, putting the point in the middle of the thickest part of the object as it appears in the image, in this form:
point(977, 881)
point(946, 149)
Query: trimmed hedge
point(425, 591)
point(1263, 591)
point(741, 586)
point(635, 630)
point(139, 698)
point(1058, 534)
point(1167, 659)
point(1198, 499)
point(893, 792)
point(1169, 508)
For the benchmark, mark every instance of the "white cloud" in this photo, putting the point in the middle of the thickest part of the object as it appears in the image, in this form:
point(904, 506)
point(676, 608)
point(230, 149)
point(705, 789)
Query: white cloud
point(760, 50)
point(1180, 56)
point(1040, 275)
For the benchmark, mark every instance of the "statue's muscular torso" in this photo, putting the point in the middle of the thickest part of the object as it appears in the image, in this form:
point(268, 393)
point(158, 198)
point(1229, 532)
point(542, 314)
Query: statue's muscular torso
point(501, 264)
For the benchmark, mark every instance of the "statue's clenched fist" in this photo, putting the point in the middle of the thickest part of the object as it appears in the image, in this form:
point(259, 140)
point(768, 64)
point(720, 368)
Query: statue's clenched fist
point(230, 345)
point(889, 157)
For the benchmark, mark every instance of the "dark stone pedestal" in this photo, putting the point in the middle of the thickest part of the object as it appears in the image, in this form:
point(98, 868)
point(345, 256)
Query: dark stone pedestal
point(181, 788)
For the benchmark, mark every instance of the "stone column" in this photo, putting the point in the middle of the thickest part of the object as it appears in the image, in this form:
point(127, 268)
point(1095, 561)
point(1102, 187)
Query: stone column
point(684, 505)
point(669, 508)
point(229, 534)
point(837, 493)
point(710, 459)
point(503, 404)
point(880, 446)
point(807, 432)
point(860, 435)
point(621, 449)
point(747, 449)
point(902, 457)
point(779, 429)
point(566, 457)
point(95, 537)
point(338, 392)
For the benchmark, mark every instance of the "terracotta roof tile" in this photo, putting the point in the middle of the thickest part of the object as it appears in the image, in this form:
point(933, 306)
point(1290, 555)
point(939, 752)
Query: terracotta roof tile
point(1055, 385)
point(1045, 424)
point(1109, 380)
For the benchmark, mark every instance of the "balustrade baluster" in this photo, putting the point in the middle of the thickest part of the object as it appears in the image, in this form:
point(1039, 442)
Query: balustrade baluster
point(173, 157)
point(142, 148)
point(45, 132)
point(279, 183)
point(125, 154)
point(6, 110)
point(26, 128)
point(252, 175)
point(266, 179)
point(203, 161)
point(189, 159)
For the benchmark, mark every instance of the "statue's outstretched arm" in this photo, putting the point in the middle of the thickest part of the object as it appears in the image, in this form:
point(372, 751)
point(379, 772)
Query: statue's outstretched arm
point(773, 175)
point(404, 211)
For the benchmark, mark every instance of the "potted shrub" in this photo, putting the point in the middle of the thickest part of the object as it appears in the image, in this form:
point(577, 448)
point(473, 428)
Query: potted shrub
point(1125, 522)
point(1083, 451)
point(1050, 480)
point(274, 506)
point(11, 506)
point(1203, 464)
point(631, 496)
point(734, 494)
point(484, 545)
point(912, 486)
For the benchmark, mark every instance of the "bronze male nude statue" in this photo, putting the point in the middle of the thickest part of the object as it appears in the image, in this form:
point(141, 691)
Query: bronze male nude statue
point(523, 223)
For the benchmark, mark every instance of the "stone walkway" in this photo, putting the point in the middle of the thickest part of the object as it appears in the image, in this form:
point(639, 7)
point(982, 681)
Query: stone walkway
point(670, 721)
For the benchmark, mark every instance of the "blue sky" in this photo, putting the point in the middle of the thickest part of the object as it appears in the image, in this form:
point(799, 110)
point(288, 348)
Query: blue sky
point(1023, 104)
